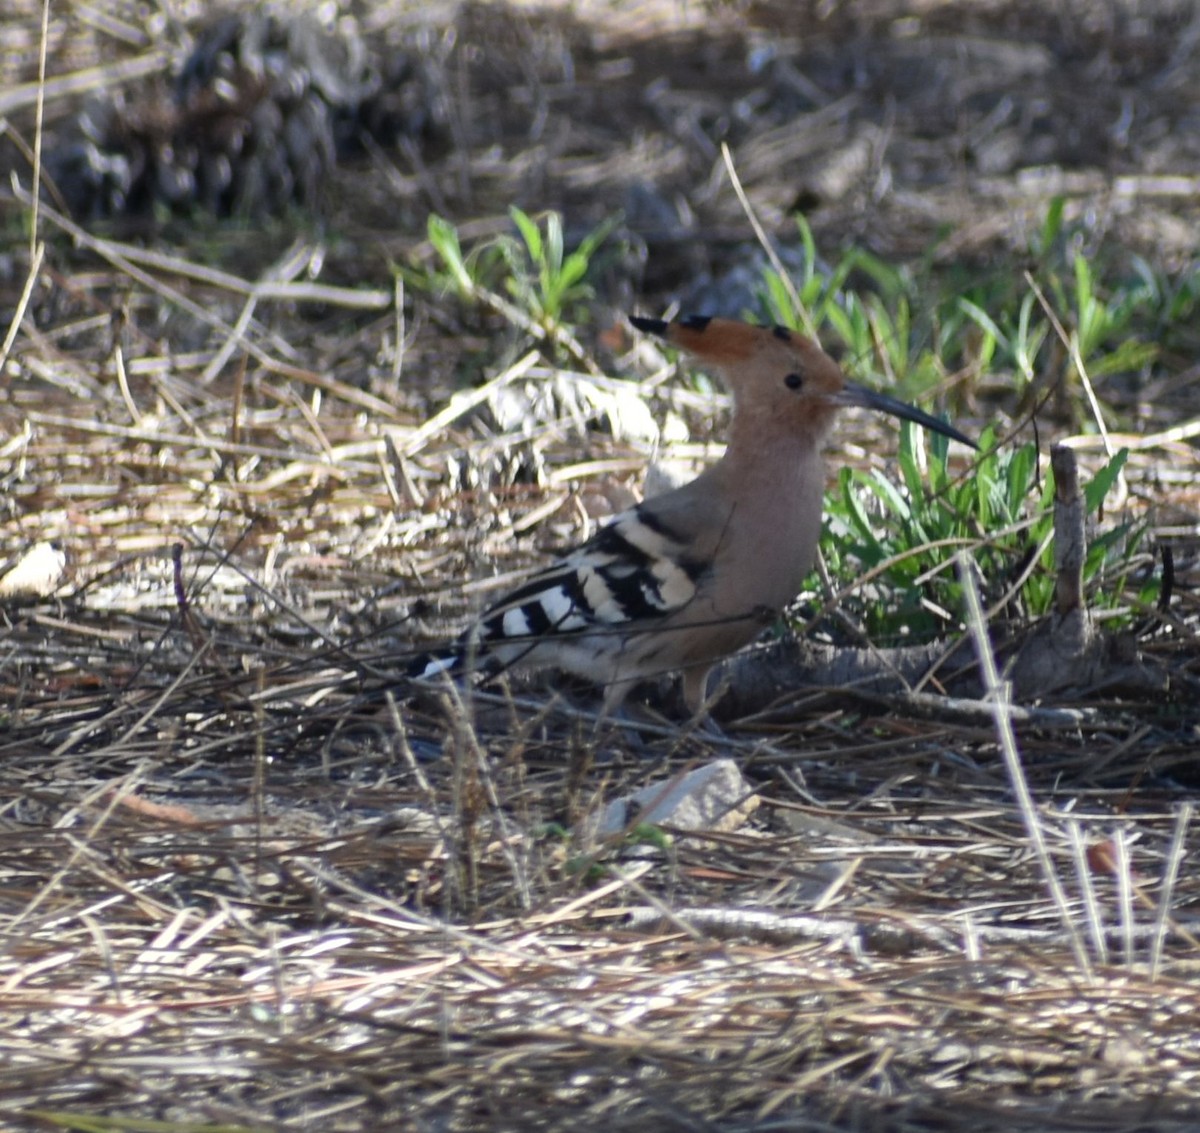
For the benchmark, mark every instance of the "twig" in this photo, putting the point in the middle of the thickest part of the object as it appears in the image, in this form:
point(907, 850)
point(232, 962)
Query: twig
point(462, 404)
point(1071, 342)
point(1001, 709)
point(1070, 540)
point(90, 79)
point(761, 234)
point(1091, 906)
point(18, 316)
point(39, 113)
point(858, 936)
point(1183, 819)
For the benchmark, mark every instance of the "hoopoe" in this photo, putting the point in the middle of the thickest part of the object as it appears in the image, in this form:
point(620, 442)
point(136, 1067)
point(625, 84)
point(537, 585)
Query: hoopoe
point(686, 578)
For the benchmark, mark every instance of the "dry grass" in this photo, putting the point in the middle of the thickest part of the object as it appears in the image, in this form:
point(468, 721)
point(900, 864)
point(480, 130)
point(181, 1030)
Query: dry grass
point(240, 888)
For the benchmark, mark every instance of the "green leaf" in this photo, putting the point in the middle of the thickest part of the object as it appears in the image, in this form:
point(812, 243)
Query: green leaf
point(554, 242)
point(809, 244)
point(1128, 357)
point(574, 268)
point(1052, 225)
point(852, 510)
point(647, 834)
point(1084, 291)
point(529, 233)
point(1019, 479)
point(984, 321)
point(776, 299)
point(882, 486)
point(843, 327)
point(1098, 487)
point(907, 459)
point(444, 238)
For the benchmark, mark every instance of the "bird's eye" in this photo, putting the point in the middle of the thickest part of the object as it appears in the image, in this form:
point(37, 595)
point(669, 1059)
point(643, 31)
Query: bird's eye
point(794, 381)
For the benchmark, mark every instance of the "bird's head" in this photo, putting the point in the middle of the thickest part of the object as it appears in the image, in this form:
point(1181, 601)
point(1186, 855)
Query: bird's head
point(779, 375)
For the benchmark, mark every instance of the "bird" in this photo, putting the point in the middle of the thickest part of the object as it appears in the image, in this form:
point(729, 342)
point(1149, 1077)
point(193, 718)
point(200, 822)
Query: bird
point(684, 579)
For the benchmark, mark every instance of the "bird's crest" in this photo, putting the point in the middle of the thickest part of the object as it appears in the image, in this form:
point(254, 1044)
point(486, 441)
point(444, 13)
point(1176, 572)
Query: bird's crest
point(723, 342)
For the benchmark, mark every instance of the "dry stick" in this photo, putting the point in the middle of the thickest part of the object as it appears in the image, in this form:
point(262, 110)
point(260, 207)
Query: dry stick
point(233, 339)
point(1138, 442)
point(893, 936)
point(273, 287)
point(187, 620)
point(1124, 872)
point(90, 79)
point(1070, 551)
point(35, 268)
point(269, 595)
point(461, 404)
point(1071, 342)
point(258, 782)
point(462, 709)
point(554, 332)
point(658, 906)
point(1070, 536)
point(1009, 594)
point(37, 128)
point(116, 255)
point(474, 939)
point(236, 409)
point(999, 693)
point(293, 262)
point(836, 599)
point(1183, 820)
point(401, 330)
point(418, 774)
point(129, 784)
point(1091, 906)
point(397, 474)
point(856, 937)
point(123, 384)
point(105, 250)
point(772, 255)
point(94, 725)
point(301, 464)
point(310, 416)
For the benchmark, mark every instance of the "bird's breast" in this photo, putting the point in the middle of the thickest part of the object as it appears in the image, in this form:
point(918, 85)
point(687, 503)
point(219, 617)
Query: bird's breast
point(773, 531)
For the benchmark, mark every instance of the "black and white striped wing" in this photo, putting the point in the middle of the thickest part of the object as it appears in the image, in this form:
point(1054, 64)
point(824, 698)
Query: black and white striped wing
point(627, 578)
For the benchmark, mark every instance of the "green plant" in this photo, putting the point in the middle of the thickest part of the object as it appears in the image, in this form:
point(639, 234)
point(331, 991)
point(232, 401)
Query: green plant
point(1107, 316)
point(861, 303)
point(544, 279)
point(1105, 312)
point(1080, 308)
point(898, 539)
point(531, 279)
point(465, 275)
point(877, 315)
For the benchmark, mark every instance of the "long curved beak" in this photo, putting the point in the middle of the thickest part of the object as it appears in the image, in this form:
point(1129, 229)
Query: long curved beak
point(852, 394)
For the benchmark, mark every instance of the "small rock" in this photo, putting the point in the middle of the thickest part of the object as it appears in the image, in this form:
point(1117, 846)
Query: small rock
point(36, 574)
point(715, 798)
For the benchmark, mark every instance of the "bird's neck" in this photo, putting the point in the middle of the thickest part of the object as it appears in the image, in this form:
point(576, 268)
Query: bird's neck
point(763, 449)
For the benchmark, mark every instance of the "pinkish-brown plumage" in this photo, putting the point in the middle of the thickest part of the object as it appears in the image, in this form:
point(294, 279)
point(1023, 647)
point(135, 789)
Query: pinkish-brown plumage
point(688, 577)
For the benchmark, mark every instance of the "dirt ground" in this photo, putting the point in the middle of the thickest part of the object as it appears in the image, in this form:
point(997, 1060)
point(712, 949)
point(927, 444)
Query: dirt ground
point(248, 882)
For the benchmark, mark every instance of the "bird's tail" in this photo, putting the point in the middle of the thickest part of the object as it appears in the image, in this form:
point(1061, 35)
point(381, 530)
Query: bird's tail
point(427, 666)
point(463, 658)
